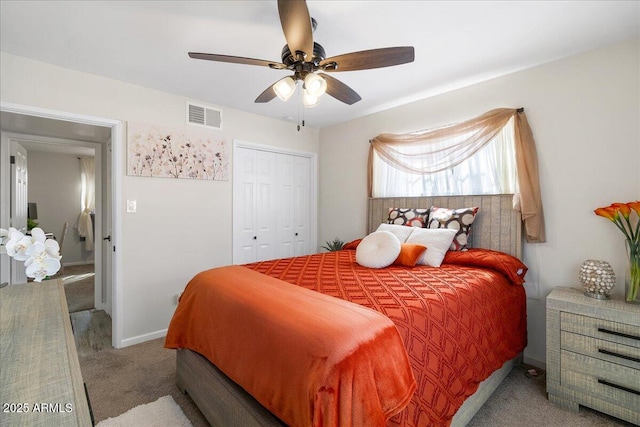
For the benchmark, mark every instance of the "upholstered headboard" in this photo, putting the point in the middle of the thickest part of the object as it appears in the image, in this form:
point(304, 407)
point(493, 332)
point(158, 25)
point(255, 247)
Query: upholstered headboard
point(497, 225)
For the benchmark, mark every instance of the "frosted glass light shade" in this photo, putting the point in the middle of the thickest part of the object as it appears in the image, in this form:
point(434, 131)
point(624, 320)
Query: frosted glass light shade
point(309, 100)
point(284, 88)
point(315, 84)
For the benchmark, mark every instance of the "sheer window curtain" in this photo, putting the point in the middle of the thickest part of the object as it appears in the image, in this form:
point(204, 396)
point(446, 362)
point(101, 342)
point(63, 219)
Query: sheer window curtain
point(85, 223)
point(426, 161)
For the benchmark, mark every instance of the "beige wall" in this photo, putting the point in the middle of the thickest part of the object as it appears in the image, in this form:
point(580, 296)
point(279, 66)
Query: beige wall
point(585, 115)
point(181, 226)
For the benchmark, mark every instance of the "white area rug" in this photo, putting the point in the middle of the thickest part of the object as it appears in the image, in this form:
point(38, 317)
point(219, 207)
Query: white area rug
point(163, 412)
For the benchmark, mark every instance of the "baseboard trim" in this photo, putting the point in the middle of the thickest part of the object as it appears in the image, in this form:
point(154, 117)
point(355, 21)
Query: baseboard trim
point(142, 338)
point(71, 264)
point(534, 362)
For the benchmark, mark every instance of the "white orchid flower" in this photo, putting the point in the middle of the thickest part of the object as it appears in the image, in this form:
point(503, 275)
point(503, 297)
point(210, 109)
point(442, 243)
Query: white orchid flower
point(37, 235)
point(17, 245)
point(41, 256)
point(52, 248)
point(41, 267)
point(35, 249)
point(40, 264)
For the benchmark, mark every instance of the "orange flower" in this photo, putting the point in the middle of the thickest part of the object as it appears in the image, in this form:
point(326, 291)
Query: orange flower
point(635, 206)
point(620, 215)
point(623, 208)
point(607, 212)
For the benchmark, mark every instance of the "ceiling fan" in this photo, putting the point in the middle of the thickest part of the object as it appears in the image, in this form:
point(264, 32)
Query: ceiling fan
point(306, 59)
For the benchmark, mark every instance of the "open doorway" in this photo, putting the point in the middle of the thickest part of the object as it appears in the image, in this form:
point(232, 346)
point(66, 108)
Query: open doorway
point(64, 189)
point(69, 132)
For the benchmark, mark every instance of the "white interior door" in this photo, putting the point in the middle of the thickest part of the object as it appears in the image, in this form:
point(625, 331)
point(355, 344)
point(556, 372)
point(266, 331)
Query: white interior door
point(285, 231)
point(266, 205)
point(301, 214)
point(107, 221)
point(18, 204)
point(253, 205)
point(244, 202)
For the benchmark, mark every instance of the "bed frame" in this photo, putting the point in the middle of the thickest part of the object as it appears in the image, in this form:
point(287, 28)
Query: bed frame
point(224, 403)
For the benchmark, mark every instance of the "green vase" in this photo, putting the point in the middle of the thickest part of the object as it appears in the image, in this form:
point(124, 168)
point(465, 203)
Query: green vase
point(632, 275)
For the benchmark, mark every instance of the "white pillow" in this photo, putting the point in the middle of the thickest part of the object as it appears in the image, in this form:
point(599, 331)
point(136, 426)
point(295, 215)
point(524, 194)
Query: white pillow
point(402, 232)
point(437, 241)
point(378, 250)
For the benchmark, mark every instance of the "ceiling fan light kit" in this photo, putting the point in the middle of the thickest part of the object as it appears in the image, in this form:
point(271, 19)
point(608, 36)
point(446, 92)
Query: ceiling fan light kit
point(308, 100)
point(315, 85)
point(308, 62)
point(284, 88)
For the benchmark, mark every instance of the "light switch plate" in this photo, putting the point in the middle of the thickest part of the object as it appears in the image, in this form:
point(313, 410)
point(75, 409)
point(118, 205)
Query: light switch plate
point(131, 206)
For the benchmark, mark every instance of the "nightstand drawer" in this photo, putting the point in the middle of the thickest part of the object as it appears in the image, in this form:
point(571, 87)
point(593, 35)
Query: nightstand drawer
point(602, 349)
point(616, 332)
point(604, 380)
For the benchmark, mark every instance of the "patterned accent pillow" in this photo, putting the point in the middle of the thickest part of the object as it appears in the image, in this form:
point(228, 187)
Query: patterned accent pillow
point(457, 219)
point(408, 216)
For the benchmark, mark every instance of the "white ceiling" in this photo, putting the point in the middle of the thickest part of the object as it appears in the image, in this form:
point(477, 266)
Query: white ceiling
point(457, 43)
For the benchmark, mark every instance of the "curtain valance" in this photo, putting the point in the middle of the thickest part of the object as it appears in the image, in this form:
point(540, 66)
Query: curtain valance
point(446, 147)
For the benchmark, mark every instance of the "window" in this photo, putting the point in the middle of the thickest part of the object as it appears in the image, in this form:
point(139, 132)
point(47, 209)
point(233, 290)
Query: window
point(489, 170)
point(433, 161)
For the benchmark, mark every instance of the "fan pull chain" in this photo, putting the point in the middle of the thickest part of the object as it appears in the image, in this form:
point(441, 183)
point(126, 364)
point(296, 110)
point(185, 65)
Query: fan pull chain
point(299, 106)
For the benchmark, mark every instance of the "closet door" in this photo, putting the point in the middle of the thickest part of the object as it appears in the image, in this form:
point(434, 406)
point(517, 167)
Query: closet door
point(301, 213)
point(254, 201)
point(286, 206)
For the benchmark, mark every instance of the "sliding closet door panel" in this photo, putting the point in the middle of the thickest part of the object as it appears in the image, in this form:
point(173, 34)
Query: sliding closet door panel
point(285, 206)
point(302, 170)
point(245, 195)
point(266, 214)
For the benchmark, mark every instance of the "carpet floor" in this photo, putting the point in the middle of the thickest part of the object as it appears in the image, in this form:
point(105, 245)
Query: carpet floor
point(118, 380)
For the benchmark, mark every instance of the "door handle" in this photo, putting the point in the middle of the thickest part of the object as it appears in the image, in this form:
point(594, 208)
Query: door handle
point(107, 238)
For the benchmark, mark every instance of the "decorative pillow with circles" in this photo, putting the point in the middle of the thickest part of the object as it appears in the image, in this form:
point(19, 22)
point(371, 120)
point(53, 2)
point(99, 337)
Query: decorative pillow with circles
point(456, 219)
point(408, 216)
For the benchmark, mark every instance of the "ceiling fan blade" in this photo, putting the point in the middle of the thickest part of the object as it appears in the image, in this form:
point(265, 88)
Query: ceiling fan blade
point(296, 25)
point(368, 59)
point(267, 95)
point(236, 60)
point(340, 91)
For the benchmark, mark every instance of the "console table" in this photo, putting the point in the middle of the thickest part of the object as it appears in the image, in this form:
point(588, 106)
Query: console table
point(40, 379)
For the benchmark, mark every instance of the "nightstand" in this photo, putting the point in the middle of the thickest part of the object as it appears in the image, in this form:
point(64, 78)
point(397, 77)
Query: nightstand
point(593, 353)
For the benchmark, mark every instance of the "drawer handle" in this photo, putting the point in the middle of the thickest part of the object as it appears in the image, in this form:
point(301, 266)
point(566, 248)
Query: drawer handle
point(619, 334)
point(630, 390)
point(622, 356)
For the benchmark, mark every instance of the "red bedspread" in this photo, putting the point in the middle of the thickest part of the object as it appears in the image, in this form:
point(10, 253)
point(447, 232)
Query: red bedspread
point(459, 323)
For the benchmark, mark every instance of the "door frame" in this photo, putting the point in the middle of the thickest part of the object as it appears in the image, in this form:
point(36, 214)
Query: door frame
point(97, 149)
point(117, 147)
point(313, 185)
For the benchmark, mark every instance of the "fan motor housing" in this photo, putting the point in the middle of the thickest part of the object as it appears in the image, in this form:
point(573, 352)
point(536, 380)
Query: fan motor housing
point(290, 61)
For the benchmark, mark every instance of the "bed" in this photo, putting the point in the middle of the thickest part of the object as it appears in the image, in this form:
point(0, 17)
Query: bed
point(447, 391)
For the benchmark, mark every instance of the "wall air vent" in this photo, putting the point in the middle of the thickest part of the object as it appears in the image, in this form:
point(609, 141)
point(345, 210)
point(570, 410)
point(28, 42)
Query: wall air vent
point(201, 115)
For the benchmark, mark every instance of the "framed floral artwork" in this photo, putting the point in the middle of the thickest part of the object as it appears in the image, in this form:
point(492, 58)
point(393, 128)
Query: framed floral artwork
point(175, 152)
